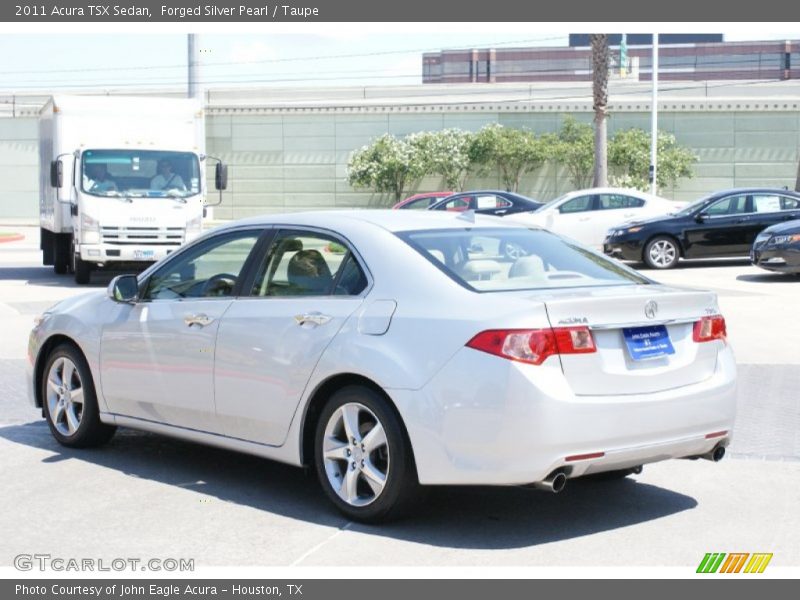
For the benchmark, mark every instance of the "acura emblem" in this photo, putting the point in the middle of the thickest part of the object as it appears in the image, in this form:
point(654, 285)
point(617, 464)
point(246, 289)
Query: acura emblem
point(651, 309)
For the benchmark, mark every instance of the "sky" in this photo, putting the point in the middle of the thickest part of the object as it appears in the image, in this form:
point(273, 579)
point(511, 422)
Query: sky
point(355, 55)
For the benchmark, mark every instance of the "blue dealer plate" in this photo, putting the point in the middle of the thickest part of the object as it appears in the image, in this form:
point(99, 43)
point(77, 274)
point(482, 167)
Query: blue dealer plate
point(648, 342)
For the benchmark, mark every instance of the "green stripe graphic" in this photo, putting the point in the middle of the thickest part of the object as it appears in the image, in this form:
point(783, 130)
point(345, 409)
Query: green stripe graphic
point(711, 562)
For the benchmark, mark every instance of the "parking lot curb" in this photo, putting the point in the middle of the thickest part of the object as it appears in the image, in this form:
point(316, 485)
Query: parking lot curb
point(11, 237)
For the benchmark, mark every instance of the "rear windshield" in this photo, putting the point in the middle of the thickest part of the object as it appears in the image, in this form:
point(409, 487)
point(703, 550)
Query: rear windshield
point(505, 259)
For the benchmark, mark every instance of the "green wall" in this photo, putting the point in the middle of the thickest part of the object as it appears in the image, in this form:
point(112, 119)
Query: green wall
point(289, 162)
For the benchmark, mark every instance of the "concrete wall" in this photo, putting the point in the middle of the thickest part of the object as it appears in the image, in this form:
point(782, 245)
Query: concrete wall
point(283, 162)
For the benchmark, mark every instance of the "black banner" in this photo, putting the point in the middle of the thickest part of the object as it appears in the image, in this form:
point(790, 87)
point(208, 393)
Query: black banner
point(343, 589)
point(262, 11)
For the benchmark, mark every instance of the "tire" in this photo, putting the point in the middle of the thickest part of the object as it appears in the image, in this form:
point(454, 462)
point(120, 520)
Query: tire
point(383, 479)
point(74, 423)
point(80, 268)
point(662, 252)
point(61, 253)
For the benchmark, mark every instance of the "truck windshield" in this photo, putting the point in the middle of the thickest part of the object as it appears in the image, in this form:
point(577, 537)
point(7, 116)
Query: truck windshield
point(140, 173)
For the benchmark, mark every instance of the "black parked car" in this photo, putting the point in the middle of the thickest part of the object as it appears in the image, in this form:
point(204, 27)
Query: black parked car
point(724, 224)
point(489, 202)
point(777, 248)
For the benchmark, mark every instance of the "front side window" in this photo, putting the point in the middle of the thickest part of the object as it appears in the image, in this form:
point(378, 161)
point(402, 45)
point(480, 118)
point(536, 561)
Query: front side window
point(207, 270)
point(459, 204)
point(506, 259)
point(301, 263)
point(140, 173)
point(732, 205)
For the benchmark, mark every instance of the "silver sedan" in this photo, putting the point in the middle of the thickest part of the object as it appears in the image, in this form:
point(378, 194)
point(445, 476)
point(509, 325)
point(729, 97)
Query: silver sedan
point(393, 349)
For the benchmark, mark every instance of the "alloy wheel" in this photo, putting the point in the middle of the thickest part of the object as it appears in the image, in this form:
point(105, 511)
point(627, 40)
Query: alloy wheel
point(663, 253)
point(65, 397)
point(356, 454)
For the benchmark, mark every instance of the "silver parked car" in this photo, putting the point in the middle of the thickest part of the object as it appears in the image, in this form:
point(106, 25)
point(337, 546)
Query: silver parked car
point(391, 349)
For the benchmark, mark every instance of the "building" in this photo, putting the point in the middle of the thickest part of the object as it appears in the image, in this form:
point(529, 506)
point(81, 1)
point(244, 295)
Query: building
point(288, 148)
point(679, 60)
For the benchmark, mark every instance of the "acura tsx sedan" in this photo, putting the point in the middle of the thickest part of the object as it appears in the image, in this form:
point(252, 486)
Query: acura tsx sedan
point(390, 351)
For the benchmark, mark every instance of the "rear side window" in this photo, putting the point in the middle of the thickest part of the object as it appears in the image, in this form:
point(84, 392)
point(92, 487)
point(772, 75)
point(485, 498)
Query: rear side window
point(303, 263)
point(614, 201)
point(487, 259)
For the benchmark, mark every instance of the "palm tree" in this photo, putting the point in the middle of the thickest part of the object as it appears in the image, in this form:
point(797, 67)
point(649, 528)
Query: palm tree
point(600, 59)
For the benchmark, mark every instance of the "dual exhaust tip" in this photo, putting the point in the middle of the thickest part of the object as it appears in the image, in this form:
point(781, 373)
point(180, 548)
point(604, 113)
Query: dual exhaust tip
point(557, 481)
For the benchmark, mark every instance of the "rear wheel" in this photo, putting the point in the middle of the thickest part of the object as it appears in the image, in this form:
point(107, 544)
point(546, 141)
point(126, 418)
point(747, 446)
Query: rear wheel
point(61, 252)
point(70, 401)
point(362, 458)
point(661, 253)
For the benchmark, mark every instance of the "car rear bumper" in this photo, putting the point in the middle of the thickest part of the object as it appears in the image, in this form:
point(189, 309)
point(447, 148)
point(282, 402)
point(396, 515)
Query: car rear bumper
point(486, 420)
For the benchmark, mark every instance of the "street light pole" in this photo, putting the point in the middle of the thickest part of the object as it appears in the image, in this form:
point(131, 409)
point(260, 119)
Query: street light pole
point(654, 121)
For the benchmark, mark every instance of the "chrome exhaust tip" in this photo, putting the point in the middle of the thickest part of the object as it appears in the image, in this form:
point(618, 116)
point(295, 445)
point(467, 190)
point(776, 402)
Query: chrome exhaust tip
point(716, 455)
point(555, 482)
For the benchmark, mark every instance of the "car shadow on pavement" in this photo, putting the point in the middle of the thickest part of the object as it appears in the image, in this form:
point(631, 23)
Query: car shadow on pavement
point(770, 278)
point(450, 517)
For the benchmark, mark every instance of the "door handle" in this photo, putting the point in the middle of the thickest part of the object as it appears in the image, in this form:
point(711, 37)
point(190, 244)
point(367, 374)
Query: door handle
point(582, 219)
point(200, 319)
point(314, 318)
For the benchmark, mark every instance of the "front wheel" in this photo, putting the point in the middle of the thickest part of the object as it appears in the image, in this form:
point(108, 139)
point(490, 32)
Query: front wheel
point(362, 458)
point(661, 253)
point(82, 269)
point(70, 401)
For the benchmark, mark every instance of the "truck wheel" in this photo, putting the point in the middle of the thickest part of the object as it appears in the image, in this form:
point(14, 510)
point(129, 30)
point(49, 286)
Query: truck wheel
point(82, 270)
point(60, 254)
point(47, 245)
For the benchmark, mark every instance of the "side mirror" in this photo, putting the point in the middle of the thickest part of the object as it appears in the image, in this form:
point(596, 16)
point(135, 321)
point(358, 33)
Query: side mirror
point(124, 288)
point(701, 217)
point(221, 176)
point(57, 174)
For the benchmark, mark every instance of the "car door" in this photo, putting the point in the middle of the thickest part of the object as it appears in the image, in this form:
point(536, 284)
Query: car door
point(612, 210)
point(721, 229)
point(573, 218)
point(304, 289)
point(157, 355)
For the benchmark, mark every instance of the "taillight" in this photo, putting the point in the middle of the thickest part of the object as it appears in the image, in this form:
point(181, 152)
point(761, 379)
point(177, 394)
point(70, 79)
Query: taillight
point(533, 346)
point(709, 329)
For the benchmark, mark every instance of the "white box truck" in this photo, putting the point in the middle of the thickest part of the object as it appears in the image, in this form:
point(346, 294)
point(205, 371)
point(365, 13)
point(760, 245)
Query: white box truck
point(122, 180)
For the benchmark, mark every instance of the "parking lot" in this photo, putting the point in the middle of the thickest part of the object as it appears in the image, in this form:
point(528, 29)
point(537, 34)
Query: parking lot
point(145, 495)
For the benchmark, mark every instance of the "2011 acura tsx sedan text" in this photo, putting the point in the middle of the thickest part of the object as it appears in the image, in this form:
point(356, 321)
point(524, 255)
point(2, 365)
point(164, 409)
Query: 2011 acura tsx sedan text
point(393, 349)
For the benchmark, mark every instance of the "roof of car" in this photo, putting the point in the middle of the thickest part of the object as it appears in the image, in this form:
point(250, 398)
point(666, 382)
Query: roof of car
point(391, 220)
point(754, 190)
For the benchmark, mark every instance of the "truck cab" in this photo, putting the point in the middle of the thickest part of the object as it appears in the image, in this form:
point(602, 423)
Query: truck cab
point(123, 181)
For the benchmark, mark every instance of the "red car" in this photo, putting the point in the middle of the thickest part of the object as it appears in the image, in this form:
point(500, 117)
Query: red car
point(422, 201)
